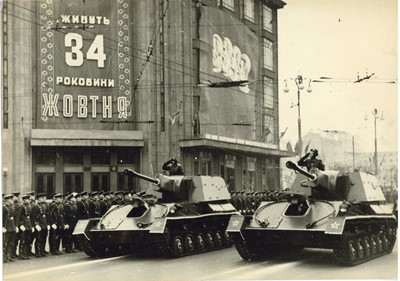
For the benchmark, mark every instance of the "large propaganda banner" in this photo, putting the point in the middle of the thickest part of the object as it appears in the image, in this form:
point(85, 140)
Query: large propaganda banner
point(85, 64)
point(229, 51)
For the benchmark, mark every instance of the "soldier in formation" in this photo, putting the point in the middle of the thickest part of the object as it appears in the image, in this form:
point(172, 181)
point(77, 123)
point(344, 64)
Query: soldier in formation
point(29, 221)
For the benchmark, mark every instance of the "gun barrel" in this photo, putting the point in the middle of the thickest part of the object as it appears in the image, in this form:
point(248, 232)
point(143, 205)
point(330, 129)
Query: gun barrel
point(293, 166)
point(143, 177)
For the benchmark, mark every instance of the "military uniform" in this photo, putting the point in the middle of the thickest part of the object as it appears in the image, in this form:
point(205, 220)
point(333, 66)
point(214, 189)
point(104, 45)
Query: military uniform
point(25, 226)
point(39, 221)
point(9, 227)
point(56, 222)
point(94, 206)
point(70, 220)
point(17, 207)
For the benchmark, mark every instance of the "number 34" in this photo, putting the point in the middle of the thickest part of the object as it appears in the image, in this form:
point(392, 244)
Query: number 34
point(75, 56)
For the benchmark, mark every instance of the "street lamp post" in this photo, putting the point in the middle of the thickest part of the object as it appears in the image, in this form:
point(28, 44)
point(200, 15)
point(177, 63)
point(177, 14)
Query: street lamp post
point(300, 86)
point(375, 114)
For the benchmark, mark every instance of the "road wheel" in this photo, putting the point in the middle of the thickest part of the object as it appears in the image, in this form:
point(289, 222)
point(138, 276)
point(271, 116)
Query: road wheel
point(379, 241)
point(177, 246)
point(210, 240)
point(219, 239)
point(360, 248)
point(374, 244)
point(200, 242)
point(352, 250)
point(367, 246)
point(386, 242)
point(189, 243)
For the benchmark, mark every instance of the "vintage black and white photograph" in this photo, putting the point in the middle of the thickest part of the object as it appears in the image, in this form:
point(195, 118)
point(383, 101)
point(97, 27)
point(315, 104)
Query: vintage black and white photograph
point(195, 140)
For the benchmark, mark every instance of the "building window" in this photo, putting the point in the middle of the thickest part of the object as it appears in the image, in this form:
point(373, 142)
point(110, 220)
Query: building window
point(100, 157)
point(268, 93)
point(251, 175)
point(73, 183)
point(45, 158)
point(268, 55)
point(196, 117)
point(73, 158)
point(100, 182)
point(249, 10)
point(45, 184)
point(268, 129)
point(125, 157)
point(267, 18)
point(229, 4)
point(202, 163)
point(126, 182)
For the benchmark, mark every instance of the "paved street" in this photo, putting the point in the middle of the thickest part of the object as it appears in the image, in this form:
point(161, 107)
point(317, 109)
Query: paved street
point(219, 265)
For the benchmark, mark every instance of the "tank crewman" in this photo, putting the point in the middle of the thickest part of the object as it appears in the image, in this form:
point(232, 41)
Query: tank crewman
point(311, 160)
point(173, 167)
point(25, 226)
point(17, 206)
point(9, 228)
point(56, 221)
point(71, 218)
point(39, 222)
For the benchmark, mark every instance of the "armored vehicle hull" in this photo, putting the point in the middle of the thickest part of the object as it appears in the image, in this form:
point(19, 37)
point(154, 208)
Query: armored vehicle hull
point(193, 224)
point(351, 219)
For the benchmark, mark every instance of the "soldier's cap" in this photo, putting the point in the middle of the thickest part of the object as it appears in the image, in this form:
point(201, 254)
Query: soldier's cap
point(41, 195)
point(101, 192)
point(126, 193)
point(16, 193)
point(70, 196)
point(31, 193)
point(117, 192)
point(93, 193)
point(106, 193)
point(83, 193)
point(56, 195)
point(26, 196)
point(65, 195)
point(8, 196)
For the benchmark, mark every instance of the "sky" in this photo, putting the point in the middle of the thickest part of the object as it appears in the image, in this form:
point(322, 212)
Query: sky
point(340, 39)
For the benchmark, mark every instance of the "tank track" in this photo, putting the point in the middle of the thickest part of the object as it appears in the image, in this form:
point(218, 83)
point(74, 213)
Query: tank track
point(101, 251)
point(247, 250)
point(362, 242)
point(187, 238)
